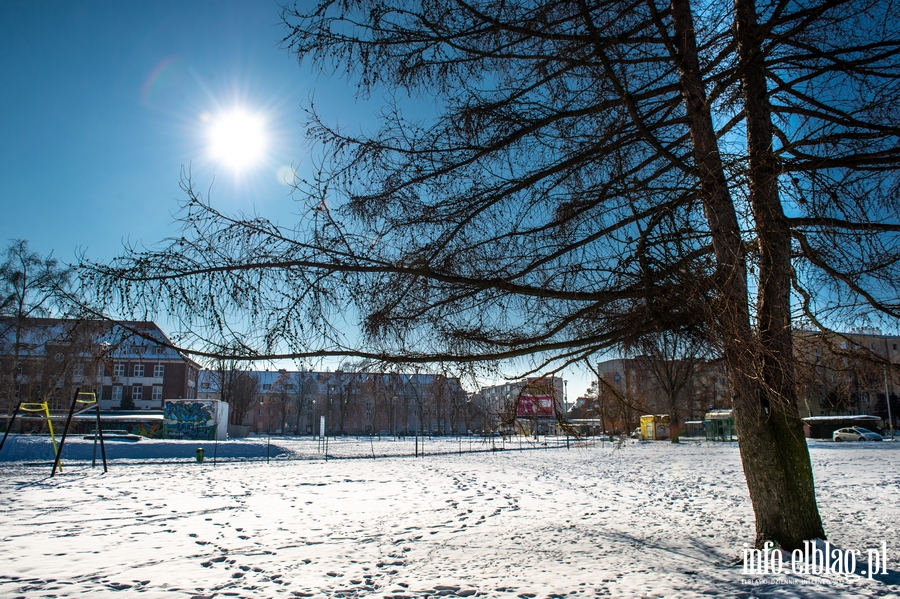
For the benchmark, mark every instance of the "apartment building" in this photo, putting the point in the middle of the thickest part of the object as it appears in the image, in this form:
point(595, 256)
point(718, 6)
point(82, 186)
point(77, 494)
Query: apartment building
point(129, 365)
point(294, 402)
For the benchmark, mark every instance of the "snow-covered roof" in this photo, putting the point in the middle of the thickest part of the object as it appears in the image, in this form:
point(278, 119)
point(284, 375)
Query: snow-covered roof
point(125, 340)
point(850, 417)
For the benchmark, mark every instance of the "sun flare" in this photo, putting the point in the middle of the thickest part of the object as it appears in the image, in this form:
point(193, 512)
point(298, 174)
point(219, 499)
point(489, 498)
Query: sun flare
point(237, 139)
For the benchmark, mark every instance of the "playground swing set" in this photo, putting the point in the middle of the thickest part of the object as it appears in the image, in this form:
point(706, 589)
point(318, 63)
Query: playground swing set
point(85, 400)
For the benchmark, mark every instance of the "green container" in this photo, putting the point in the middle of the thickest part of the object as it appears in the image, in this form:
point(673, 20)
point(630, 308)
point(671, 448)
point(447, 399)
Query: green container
point(199, 455)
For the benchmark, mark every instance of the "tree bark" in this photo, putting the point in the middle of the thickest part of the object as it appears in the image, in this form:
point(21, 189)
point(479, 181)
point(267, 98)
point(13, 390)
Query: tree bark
point(773, 450)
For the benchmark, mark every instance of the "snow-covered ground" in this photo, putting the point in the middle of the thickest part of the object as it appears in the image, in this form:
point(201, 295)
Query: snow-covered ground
point(638, 520)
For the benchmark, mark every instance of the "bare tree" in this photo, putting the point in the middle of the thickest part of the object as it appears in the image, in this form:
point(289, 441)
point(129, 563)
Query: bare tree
point(281, 397)
point(31, 286)
point(305, 391)
point(384, 400)
point(237, 387)
point(389, 402)
point(342, 398)
point(594, 171)
point(58, 356)
point(670, 358)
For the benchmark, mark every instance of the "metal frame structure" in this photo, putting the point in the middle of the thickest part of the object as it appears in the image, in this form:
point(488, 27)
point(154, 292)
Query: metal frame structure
point(86, 399)
point(32, 406)
point(90, 400)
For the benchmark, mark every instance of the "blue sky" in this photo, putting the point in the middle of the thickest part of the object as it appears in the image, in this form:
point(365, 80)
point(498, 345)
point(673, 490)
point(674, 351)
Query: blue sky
point(102, 103)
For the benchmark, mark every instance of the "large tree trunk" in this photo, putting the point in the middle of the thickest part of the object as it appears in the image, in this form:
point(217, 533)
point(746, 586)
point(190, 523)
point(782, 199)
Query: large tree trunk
point(773, 450)
point(775, 454)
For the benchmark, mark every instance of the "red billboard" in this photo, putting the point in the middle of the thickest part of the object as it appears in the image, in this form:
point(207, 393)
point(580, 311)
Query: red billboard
point(535, 406)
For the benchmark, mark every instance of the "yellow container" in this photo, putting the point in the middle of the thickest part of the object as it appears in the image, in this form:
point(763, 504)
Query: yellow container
point(654, 427)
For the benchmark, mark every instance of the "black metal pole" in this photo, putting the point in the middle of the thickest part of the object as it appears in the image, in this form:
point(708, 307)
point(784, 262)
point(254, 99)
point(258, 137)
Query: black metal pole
point(100, 433)
point(94, 447)
point(10, 423)
point(62, 441)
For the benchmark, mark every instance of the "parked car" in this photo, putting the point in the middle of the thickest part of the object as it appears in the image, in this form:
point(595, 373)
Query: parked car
point(855, 433)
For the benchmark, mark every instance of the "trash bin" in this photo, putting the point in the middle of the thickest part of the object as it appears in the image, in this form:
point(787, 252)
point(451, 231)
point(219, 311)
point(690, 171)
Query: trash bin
point(199, 455)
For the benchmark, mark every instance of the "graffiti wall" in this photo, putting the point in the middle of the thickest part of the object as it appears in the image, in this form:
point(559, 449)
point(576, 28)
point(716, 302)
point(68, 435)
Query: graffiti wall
point(195, 419)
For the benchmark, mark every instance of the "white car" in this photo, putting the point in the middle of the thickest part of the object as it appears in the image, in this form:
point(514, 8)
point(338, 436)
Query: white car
point(855, 433)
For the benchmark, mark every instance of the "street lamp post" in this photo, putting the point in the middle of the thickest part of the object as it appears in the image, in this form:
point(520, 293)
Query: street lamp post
point(887, 401)
point(393, 415)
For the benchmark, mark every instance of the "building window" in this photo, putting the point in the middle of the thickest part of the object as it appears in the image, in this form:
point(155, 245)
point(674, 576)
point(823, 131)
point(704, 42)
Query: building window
point(266, 387)
point(159, 370)
point(78, 372)
point(138, 370)
point(157, 393)
point(117, 393)
point(137, 392)
point(100, 371)
point(119, 370)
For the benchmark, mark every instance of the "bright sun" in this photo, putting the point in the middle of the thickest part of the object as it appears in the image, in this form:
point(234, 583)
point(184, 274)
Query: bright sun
point(237, 139)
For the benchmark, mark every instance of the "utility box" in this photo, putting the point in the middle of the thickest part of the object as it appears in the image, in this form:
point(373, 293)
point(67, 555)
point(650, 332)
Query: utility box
point(655, 427)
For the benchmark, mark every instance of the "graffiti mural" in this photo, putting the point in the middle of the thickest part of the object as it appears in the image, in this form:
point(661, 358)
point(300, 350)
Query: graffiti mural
point(188, 420)
point(146, 429)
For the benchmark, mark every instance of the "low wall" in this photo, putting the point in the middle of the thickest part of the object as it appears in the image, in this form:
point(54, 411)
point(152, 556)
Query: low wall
point(237, 431)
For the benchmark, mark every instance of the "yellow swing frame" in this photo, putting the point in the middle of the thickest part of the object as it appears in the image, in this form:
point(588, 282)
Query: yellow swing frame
point(89, 400)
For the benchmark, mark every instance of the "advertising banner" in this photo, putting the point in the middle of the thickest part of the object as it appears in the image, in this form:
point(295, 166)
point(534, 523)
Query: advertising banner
point(535, 406)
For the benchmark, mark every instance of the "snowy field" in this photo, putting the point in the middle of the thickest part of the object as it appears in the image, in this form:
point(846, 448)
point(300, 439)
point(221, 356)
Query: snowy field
point(640, 520)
